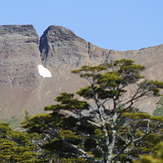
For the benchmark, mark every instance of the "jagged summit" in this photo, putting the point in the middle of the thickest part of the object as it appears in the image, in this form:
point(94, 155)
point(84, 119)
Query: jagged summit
point(60, 45)
point(58, 31)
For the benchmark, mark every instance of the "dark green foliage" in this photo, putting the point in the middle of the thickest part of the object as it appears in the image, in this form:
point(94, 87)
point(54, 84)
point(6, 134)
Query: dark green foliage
point(15, 146)
point(67, 102)
point(156, 157)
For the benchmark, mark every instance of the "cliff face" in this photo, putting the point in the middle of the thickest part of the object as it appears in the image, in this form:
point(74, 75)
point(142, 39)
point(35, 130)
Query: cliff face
point(59, 45)
point(18, 55)
point(61, 51)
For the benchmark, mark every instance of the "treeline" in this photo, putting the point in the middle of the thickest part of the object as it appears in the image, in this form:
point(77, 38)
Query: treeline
point(103, 127)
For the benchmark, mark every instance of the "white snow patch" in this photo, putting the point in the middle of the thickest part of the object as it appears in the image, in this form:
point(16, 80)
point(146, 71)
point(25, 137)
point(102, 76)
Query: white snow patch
point(44, 72)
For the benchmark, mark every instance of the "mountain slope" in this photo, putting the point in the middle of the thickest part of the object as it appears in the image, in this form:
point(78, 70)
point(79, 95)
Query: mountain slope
point(60, 51)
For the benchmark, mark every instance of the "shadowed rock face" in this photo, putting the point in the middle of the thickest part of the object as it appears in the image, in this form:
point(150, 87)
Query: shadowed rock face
point(59, 45)
point(59, 50)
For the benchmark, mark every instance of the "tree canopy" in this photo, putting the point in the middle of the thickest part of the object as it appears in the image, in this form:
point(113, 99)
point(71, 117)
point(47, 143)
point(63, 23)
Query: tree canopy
point(104, 127)
point(16, 146)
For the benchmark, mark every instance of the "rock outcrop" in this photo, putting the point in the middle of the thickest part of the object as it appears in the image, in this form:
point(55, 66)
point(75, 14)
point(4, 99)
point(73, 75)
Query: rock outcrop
point(59, 50)
point(59, 45)
point(19, 55)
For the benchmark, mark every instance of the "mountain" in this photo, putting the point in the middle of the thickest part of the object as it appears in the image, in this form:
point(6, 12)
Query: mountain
point(59, 50)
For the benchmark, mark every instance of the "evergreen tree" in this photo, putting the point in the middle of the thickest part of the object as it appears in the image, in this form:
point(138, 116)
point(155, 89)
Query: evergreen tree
point(105, 127)
point(157, 157)
point(15, 146)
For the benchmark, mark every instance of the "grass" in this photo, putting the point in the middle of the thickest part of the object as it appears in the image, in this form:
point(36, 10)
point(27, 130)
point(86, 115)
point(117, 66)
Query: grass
point(14, 123)
point(159, 108)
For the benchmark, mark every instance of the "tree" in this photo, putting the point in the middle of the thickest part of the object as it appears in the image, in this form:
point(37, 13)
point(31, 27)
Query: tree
point(15, 146)
point(105, 127)
point(157, 157)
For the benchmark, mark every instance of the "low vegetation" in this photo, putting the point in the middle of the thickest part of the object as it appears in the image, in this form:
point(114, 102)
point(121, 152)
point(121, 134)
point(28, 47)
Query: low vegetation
point(159, 108)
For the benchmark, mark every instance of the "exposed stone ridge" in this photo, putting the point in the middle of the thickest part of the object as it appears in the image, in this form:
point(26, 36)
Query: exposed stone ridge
point(56, 33)
point(18, 33)
point(25, 30)
point(59, 45)
point(18, 55)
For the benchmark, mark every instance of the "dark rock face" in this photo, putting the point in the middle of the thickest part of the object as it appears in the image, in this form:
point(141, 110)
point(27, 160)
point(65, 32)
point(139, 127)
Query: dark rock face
point(61, 51)
point(59, 45)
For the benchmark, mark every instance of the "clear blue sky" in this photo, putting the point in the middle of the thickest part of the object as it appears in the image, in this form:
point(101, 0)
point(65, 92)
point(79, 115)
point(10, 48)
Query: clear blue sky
point(111, 24)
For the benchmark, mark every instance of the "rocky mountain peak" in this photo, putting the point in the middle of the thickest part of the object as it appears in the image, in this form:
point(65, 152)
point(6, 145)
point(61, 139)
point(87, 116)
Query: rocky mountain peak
point(59, 45)
point(59, 50)
point(54, 33)
point(58, 31)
